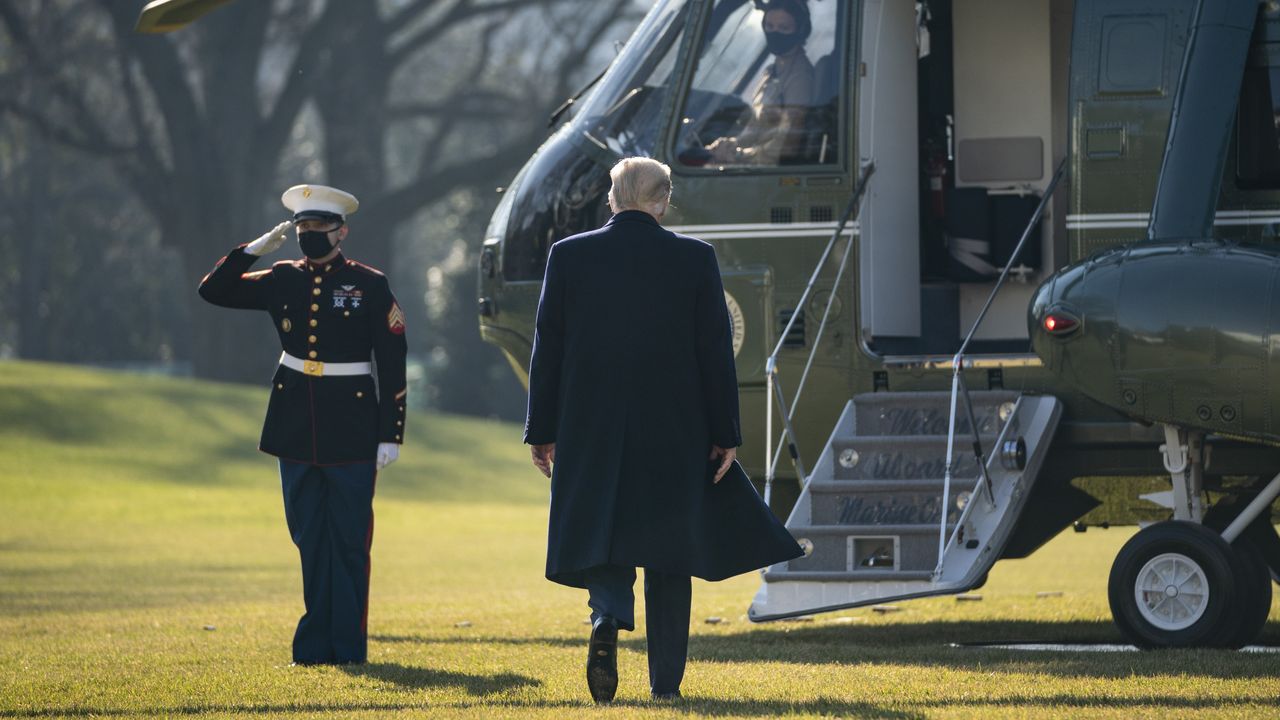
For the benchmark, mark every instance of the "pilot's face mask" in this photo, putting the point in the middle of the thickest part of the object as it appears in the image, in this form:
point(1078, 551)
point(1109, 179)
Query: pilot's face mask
point(781, 43)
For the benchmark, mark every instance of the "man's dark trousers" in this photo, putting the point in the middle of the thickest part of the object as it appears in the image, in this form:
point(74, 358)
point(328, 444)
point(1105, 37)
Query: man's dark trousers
point(329, 510)
point(666, 606)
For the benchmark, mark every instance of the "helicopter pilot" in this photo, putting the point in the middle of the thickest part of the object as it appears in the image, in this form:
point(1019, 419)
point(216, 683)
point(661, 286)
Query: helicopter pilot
point(783, 97)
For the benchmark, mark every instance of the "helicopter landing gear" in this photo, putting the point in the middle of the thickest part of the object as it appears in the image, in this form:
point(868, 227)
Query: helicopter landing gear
point(1254, 602)
point(1181, 584)
point(1174, 585)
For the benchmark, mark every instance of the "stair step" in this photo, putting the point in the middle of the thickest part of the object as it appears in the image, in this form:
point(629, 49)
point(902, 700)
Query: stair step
point(811, 531)
point(850, 516)
point(781, 575)
point(904, 457)
point(926, 413)
point(853, 548)
point(881, 503)
point(872, 485)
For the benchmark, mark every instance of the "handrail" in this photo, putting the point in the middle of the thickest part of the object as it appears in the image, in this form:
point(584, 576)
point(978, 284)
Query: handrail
point(957, 382)
point(964, 513)
point(771, 364)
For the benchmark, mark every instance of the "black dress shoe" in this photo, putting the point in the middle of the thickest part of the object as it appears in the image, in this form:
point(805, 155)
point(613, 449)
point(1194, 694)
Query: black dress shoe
point(602, 660)
point(666, 696)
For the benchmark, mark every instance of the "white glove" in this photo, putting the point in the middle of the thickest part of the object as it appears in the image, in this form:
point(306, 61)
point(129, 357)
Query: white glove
point(271, 241)
point(387, 454)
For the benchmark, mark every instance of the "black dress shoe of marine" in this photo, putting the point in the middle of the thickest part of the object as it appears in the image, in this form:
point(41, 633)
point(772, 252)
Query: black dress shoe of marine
point(602, 660)
point(666, 696)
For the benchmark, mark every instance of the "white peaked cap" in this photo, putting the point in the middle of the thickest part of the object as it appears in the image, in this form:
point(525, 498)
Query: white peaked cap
point(319, 199)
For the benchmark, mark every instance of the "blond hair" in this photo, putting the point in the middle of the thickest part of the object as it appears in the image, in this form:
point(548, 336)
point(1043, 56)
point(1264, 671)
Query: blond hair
point(640, 183)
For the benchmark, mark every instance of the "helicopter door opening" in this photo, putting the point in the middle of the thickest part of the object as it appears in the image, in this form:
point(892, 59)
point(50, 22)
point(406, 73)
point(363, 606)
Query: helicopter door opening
point(960, 109)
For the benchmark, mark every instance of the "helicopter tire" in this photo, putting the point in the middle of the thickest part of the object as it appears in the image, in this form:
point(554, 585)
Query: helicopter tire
point(1254, 587)
point(1261, 533)
point(1174, 585)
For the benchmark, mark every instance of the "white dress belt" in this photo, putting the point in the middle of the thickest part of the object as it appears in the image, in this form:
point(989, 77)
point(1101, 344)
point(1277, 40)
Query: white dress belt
point(316, 368)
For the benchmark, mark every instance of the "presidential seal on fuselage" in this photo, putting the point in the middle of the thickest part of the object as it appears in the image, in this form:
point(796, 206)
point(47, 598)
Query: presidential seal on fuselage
point(739, 323)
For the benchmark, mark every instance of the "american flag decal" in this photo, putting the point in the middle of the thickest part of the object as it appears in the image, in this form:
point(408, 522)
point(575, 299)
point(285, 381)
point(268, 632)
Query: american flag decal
point(395, 319)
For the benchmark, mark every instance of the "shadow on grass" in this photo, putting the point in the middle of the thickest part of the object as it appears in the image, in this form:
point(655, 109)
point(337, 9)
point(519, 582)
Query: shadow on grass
point(688, 706)
point(416, 678)
point(934, 644)
point(692, 706)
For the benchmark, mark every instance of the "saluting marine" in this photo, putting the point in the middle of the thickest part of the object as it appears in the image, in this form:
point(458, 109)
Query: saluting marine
point(329, 423)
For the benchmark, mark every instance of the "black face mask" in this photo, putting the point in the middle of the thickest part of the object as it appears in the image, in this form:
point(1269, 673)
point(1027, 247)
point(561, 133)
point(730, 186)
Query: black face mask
point(314, 243)
point(781, 43)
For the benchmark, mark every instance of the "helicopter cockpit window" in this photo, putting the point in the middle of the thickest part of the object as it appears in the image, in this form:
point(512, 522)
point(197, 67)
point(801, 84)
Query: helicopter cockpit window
point(766, 88)
point(624, 114)
point(1258, 119)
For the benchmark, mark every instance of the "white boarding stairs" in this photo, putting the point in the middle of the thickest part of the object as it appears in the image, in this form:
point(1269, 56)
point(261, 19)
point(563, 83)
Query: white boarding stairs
point(870, 514)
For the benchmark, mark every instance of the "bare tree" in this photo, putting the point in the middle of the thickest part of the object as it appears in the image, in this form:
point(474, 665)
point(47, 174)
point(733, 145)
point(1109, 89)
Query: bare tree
point(197, 123)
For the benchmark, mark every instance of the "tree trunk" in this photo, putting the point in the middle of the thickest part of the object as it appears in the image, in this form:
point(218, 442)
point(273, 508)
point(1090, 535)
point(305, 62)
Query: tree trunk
point(352, 106)
point(35, 233)
point(232, 345)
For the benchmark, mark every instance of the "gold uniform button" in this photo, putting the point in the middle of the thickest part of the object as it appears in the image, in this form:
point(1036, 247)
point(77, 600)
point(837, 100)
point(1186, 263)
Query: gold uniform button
point(314, 307)
point(319, 279)
point(401, 408)
point(346, 313)
point(397, 437)
point(399, 423)
point(279, 386)
point(311, 339)
point(315, 291)
point(314, 322)
point(312, 354)
point(359, 393)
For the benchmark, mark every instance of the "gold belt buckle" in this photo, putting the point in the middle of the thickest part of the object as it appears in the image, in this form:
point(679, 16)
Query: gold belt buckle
point(314, 368)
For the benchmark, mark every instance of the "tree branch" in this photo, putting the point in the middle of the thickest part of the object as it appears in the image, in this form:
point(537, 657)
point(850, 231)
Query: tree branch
point(56, 131)
point(462, 11)
point(174, 96)
point(299, 85)
point(585, 42)
point(88, 132)
point(431, 150)
point(400, 204)
point(147, 156)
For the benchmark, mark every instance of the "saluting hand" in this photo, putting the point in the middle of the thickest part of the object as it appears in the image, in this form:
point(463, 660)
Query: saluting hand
point(271, 241)
point(543, 456)
point(727, 458)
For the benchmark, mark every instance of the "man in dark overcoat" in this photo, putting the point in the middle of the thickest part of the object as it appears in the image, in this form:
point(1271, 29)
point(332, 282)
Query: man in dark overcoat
point(334, 418)
point(633, 413)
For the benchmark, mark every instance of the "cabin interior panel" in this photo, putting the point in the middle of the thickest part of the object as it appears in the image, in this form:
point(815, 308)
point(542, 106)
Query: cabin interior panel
point(887, 134)
point(988, 83)
point(1003, 132)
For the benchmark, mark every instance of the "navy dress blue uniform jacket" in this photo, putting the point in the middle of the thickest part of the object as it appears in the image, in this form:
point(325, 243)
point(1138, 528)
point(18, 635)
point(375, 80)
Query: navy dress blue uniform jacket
point(633, 378)
point(341, 311)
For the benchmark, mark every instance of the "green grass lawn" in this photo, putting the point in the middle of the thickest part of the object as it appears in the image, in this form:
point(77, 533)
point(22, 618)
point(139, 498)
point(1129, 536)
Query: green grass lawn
point(145, 570)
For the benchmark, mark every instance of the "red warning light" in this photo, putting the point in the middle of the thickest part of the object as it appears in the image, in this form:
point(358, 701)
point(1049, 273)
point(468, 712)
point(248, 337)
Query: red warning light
point(1058, 323)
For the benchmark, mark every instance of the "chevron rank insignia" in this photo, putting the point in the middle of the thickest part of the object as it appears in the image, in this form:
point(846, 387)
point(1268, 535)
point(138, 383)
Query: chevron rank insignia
point(395, 319)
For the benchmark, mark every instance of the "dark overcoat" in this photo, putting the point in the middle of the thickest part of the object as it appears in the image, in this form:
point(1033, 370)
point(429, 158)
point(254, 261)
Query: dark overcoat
point(632, 378)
